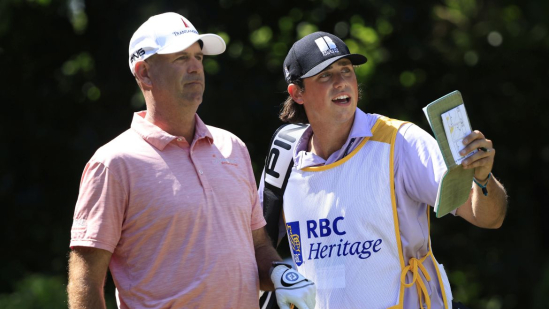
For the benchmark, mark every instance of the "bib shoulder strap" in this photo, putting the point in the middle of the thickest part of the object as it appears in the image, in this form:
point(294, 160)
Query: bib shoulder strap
point(278, 165)
point(385, 129)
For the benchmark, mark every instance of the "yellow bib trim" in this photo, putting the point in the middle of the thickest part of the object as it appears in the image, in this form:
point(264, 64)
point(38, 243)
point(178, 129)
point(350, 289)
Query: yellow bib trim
point(395, 125)
point(347, 158)
point(435, 262)
point(382, 131)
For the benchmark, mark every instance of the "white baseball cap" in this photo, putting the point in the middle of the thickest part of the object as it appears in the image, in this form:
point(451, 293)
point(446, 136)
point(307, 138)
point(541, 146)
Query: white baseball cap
point(169, 33)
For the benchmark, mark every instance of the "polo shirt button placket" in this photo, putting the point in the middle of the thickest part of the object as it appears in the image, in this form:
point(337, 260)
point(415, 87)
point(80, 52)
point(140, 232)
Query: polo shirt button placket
point(203, 179)
point(199, 169)
point(200, 172)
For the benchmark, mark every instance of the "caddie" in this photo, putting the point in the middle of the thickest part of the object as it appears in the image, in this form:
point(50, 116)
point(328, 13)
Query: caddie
point(356, 200)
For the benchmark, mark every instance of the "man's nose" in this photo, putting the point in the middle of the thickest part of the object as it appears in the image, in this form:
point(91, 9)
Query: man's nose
point(340, 81)
point(195, 66)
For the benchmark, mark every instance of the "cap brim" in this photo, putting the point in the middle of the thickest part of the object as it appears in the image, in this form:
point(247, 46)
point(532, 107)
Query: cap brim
point(356, 59)
point(213, 44)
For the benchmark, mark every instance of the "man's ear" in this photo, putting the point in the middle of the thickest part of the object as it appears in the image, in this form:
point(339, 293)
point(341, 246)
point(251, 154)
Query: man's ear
point(142, 74)
point(296, 93)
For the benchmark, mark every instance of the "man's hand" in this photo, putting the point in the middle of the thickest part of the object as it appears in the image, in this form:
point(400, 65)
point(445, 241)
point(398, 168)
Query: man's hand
point(292, 288)
point(487, 204)
point(483, 160)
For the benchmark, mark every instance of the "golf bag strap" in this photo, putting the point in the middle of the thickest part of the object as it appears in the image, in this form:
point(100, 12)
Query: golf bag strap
point(278, 166)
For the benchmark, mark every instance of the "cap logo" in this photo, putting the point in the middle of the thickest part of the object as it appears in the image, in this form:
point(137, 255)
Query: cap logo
point(176, 33)
point(191, 30)
point(326, 46)
point(286, 72)
point(140, 52)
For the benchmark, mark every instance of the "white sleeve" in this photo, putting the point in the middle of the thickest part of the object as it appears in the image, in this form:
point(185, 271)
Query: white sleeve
point(419, 165)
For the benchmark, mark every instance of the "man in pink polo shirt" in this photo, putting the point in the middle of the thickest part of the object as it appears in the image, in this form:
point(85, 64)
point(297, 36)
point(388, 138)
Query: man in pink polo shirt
point(170, 206)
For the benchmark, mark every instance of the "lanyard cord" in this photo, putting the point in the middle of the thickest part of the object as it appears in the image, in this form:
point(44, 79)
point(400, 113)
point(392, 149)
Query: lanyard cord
point(348, 147)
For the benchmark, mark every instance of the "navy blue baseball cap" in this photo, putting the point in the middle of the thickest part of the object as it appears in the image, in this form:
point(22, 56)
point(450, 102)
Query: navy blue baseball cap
point(314, 53)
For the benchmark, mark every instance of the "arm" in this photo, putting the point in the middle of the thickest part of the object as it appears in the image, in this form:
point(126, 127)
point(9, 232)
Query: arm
point(265, 254)
point(87, 273)
point(480, 210)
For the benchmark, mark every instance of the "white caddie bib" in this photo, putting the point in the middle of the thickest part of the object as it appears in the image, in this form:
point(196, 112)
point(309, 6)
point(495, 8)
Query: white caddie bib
point(342, 226)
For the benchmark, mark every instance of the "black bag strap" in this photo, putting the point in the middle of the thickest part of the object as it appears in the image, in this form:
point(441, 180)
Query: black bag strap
point(278, 166)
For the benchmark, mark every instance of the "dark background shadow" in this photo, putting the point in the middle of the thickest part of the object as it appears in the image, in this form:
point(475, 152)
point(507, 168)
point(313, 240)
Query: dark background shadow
point(66, 89)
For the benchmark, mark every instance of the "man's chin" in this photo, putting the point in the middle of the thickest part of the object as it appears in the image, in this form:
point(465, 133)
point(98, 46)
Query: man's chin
point(192, 98)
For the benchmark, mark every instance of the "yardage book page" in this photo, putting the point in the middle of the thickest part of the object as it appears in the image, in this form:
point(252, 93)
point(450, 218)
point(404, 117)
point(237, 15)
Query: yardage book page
point(456, 125)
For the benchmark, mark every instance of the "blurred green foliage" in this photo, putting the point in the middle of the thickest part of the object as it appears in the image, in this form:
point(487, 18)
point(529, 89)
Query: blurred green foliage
point(36, 292)
point(66, 90)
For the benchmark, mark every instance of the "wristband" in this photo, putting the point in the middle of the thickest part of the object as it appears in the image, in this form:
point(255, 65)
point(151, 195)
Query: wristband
point(483, 186)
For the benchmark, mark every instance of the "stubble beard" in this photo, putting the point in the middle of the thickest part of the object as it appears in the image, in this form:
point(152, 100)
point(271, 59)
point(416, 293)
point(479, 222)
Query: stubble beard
point(193, 94)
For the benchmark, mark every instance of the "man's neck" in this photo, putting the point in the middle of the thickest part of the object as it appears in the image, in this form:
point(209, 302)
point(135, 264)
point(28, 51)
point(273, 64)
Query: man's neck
point(327, 139)
point(177, 123)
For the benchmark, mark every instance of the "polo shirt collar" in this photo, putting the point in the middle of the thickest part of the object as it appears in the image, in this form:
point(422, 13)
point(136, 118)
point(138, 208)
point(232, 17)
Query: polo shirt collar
point(160, 138)
point(362, 126)
point(201, 130)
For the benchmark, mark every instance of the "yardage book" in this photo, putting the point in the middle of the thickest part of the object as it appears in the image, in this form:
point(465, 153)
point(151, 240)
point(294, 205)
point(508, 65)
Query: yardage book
point(448, 120)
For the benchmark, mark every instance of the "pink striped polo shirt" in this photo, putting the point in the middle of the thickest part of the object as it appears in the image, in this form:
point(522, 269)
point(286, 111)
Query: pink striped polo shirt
point(177, 217)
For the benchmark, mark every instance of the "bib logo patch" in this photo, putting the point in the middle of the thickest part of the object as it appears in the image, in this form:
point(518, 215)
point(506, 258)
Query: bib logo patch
point(327, 238)
point(294, 236)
